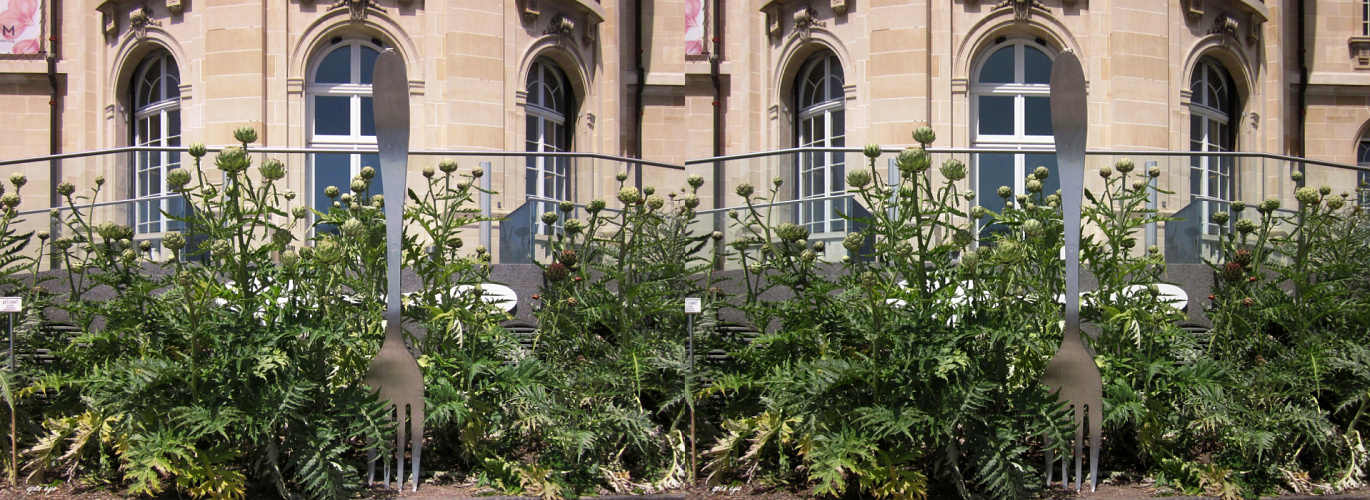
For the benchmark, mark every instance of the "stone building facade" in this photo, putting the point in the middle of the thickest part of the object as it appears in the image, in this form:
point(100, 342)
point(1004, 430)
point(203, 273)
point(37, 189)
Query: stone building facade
point(673, 80)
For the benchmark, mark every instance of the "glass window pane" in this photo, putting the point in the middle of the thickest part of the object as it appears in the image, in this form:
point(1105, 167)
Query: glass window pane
point(1196, 131)
point(551, 133)
point(1036, 66)
point(332, 115)
point(1196, 173)
point(533, 132)
point(553, 99)
point(534, 87)
point(368, 64)
point(336, 67)
point(173, 127)
point(368, 118)
point(147, 90)
point(999, 67)
point(994, 170)
point(173, 75)
point(154, 180)
point(154, 129)
point(839, 125)
point(819, 91)
point(996, 115)
point(1037, 115)
point(835, 90)
point(531, 183)
point(330, 170)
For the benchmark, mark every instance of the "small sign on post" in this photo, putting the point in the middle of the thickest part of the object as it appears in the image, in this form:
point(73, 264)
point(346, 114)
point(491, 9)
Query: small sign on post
point(693, 306)
point(15, 304)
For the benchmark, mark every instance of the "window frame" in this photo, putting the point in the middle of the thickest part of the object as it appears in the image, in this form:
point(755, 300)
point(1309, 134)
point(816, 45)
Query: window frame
point(149, 214)
point(538, 115)
point(355, 91)
point(818, 207)
point(1209, 115)
point(1020, 91)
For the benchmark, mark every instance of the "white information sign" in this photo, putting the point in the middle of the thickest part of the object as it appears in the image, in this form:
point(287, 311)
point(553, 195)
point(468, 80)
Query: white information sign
point(11, 304)
point(694, 305)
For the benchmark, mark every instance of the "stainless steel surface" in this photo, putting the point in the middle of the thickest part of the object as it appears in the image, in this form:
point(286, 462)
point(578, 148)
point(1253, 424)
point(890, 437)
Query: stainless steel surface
point(1072, 373)
point(696, 161)
point(426, 152)
point(394, 372)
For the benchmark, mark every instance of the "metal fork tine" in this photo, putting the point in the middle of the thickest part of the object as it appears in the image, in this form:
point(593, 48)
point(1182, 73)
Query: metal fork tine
point(370, 464)
point(401, 425)
point(1051, 460)
point(1079, 444)
point(1096, 436)
point(417, 432)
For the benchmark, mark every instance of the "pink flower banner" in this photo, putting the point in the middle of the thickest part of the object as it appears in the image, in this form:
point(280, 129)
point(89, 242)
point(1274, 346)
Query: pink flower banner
point(694, 27)
point(21, 26)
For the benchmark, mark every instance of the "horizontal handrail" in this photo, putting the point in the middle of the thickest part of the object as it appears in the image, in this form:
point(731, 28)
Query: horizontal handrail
point(368, 150)
point(1092, 152)
point(99, 204)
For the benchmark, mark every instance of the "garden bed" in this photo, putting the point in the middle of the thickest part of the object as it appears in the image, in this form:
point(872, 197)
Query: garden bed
point(911, 367)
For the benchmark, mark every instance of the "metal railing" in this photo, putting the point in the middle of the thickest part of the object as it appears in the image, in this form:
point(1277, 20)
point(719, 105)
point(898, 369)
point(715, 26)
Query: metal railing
point(1250, 177)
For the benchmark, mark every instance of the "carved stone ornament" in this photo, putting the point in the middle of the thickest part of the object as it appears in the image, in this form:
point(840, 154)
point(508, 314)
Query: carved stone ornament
point(1360, 48)
point(176, 7)
point(357, 8)
point(804, 19)
point(138, 21)
point(591, 29)
point(561, 26)
point(839, 7)
point(1226, 26)
point(773, 20)
point(1253, 31)
point(531, 11)
point(109, 18)
point(1194, 11)
point(1022, 9)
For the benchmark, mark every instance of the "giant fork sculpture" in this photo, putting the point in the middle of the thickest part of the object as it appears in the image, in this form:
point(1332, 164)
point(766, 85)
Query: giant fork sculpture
point(394, 372)
point(1072, 373)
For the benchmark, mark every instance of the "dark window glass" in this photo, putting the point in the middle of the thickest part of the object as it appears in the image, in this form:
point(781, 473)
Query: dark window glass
point(999, 67)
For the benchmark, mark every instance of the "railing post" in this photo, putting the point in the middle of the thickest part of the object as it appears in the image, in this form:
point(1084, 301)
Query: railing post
point(485, 210)
point(720, 218)
point(1151, 205)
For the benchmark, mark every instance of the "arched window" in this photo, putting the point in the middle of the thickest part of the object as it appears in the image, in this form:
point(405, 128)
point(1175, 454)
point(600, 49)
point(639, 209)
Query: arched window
point(822, 123)
point(338, 97)
point(156, 99)
point(1011, 109)
point(547, 112)
point(1211, 108)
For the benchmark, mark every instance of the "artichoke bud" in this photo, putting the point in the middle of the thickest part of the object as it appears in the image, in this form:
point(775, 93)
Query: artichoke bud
point(871, 151)
point(924, 135)
point(245, 135)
